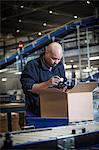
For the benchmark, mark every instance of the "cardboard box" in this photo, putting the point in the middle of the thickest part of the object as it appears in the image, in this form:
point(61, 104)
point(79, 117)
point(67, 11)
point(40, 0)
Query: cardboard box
point(76, 104)
point(4, 122)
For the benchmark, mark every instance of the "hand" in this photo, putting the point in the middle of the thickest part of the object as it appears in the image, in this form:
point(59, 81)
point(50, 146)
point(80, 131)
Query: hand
point(64, 89)
point(54, 81)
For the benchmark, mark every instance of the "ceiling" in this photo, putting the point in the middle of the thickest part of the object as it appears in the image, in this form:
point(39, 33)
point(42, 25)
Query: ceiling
point(26, 18)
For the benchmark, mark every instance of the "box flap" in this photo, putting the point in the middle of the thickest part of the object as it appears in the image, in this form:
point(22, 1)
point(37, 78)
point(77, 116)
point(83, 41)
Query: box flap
point(50, 90)
point(84, 87)
point(81, 87)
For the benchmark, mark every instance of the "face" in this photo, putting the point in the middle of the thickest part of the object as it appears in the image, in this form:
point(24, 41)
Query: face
point(52, 59)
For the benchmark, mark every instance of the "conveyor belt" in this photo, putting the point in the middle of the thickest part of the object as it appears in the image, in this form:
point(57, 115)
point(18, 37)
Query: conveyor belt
point(44, 40)
point(86, 135)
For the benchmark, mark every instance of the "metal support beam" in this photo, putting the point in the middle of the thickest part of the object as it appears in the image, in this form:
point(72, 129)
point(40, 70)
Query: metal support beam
point(79, 50)
point(88, 53)
point(46, 39)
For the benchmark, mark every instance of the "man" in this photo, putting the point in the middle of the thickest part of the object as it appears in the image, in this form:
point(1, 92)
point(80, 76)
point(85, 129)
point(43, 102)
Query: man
point(41, 73)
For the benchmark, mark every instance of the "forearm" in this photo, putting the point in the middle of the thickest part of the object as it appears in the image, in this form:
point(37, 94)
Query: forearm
point(44, 85)
point(40, 86)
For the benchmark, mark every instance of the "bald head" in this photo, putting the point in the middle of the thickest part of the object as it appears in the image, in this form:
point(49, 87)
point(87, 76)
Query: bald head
point(55, 48)
point(53, 54)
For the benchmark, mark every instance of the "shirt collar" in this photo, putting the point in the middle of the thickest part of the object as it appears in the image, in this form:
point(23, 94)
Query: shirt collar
point(43, 63)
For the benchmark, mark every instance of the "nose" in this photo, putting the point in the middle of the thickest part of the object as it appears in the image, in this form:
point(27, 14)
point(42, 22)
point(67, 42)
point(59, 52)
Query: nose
point(57, 61)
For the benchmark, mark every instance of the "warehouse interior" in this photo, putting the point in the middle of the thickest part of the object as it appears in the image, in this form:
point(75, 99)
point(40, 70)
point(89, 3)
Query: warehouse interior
point(26, 29)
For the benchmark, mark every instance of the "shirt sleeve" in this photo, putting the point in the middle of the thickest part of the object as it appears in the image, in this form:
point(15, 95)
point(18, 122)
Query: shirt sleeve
point(29, 76)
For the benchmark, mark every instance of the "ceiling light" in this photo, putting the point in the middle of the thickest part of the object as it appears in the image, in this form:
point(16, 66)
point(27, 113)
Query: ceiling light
point(71, 60)
point(88, 2)
point(17, 30)
point(20, 20)
point(4, 79)
point(75, 16)
point(94, 58)
point(39, 33)
point(50, 12)
point(44, 24)
point(22, 6)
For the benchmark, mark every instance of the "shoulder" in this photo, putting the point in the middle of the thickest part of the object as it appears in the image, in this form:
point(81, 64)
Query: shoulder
point(33, 62)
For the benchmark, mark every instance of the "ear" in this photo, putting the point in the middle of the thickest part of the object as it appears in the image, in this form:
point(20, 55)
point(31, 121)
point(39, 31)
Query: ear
point(46, 51)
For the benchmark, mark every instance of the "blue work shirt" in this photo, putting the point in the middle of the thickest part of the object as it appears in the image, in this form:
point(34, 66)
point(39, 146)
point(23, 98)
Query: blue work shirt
point(36, 71)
